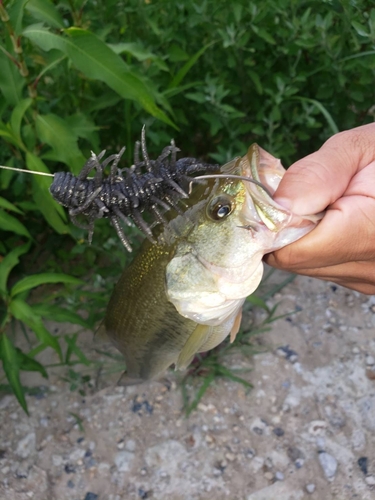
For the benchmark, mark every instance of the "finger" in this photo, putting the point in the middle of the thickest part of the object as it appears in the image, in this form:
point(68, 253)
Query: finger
point(313, 183)
point(346, 233)
point(363, 183)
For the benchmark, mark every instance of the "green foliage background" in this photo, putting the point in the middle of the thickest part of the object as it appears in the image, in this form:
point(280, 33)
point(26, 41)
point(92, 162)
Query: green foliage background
point(77, 76)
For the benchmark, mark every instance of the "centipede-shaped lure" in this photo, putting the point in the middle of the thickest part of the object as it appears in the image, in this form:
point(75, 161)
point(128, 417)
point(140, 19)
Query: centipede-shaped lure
point(149, 185)
point(152, 186)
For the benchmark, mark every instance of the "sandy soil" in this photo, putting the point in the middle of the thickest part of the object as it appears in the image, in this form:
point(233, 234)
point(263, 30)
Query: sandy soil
point(305, 431)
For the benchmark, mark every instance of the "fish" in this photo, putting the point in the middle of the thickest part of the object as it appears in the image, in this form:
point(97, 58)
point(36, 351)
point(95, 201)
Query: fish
point(183, 294)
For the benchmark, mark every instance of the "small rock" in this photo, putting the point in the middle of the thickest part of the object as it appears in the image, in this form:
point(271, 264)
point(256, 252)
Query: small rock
point(230, 456)
point(279, 476)
point(328, 463)
point(44, 421)
point(70, 484)
point(366, 406)
point(130, 445)
point(370, 480)
point(22, 472)
point(310, 488)
point(121, 444)
point(287, 353)
point(258, 426)
point(362, 463)
point(69, 469)
point(370, 360)
point(76, 455)
point(278, 431)
point(26, 446)
point(317, 427)
point(91, 496)
point(268, 475)
point(299, 463)
point(57, 460)
point(294, 453)
point(143, 493)
point(250, 453)
point(123, 460)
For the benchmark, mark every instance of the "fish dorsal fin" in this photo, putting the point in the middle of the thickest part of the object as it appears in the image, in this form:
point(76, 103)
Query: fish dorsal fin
point(100, 334)
point(192, 345)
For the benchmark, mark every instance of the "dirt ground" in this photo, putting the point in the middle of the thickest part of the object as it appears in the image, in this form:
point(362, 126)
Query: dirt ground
point(305, 431)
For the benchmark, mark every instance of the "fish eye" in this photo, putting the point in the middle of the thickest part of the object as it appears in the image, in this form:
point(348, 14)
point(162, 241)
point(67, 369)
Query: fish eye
point(220, 207)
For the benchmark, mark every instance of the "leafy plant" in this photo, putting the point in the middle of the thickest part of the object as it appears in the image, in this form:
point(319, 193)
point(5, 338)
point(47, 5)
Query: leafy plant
point(78, 76)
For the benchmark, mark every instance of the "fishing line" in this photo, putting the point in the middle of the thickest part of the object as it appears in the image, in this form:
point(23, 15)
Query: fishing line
point(26, 171)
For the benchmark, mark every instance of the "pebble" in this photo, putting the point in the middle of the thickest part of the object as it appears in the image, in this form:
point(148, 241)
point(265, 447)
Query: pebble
point(26, 446)
point(328, 463)
point(130, 445)
point(287, 353)
point(370, 360)
point(57, 460)
point(295, 453)
point(370, 480)
point(279, 476)
point(362, 463)
point(123, 460)
point(299, 463)
point(310, 488)
point(278, 431)
point(91, 496)
point(268, 475)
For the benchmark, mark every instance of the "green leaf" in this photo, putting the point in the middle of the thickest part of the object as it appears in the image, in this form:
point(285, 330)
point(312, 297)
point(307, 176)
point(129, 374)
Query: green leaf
point(42, 279)
point(82, 126)
point(10, 223)
point(9, 206)
point(9, 262)
point(54, 131)
point(23, 312)
point(51, 210)
point(44, 10)
point(16, 15)
point(257, 301)
point(11, 82)
point(17, 116)
point(56, 313)
point(361, 30)
point(262, 33)
point(322, 109)
point(74, 349)
point(9, 135)
point(138, 52)
point(11, 361)
point(256, 81)
point(187, 66)
point(97, 61)
point(28, 364)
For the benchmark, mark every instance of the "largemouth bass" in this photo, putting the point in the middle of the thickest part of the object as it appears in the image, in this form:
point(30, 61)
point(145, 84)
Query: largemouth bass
point(184, 294)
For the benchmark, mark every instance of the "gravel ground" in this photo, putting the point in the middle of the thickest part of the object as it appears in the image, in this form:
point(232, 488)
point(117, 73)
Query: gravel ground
point(306, 430)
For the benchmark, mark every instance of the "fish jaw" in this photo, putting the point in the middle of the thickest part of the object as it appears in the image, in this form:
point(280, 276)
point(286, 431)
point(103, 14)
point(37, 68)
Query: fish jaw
point(217, 267)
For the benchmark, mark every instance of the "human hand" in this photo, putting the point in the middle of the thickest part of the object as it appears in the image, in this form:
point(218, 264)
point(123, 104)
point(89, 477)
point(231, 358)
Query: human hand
point(340, 178)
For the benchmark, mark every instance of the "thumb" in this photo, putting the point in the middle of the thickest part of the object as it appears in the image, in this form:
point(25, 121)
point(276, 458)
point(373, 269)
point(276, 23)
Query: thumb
point(318, 180)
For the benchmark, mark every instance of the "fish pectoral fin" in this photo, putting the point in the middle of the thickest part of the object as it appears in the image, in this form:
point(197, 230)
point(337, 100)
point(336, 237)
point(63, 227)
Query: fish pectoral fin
point(125, 380)
point(192, 345)
point(236, 326)
point(100, 334)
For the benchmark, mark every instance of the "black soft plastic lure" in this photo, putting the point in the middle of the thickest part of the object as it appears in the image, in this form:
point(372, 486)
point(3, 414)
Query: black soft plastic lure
point(152, 186)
